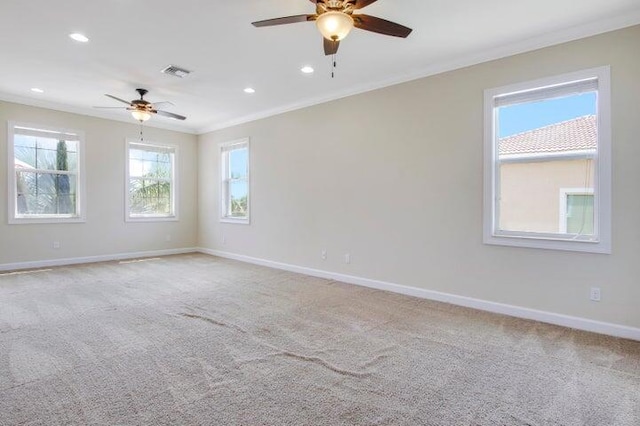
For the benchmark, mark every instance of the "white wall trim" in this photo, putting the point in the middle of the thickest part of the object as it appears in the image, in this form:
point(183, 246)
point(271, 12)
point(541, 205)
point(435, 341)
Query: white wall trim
point(176, 170)
point(542, 88)
point(578, 323)
point(93, 259)
point(224, 149)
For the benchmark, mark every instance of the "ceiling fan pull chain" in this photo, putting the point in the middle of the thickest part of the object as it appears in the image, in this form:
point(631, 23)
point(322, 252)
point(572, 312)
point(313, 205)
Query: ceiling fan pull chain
point(334, 63)
point(141, 136)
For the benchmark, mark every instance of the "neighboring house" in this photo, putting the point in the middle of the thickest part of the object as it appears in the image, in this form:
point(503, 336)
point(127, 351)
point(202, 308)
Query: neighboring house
point(547, 176)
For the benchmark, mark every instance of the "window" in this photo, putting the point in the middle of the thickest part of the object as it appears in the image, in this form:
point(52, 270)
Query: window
point(234, 191)
point(576, 211)
point(151, 182)
point(548, 163)
point(45, 174)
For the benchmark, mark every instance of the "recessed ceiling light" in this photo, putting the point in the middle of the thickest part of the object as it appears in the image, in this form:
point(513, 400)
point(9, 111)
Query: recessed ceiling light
point(307, 69)
point(37, 90)
point(79, 37)
point(249, 90)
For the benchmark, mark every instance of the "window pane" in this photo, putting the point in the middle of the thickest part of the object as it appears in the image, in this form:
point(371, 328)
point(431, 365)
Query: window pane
point(238, 192)
point(24, 141)
point(162, 167)
point(238, 163)
point(234, 163)
point(45, 193)
point(544, 146)
point(156, 165)
point(136, 167)
point(149, 197)
point(580, 214)
point(45, 175)
point(45, 154)
point(150, 183)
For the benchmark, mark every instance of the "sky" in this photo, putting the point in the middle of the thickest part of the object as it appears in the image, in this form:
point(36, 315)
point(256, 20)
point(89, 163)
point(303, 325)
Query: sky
point(238, 164)
point(528, 116)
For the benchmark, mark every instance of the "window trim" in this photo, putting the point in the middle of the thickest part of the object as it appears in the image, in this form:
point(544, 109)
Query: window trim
point(223, 198)
point(174, 184)
point(602, 172)
point(81, 205)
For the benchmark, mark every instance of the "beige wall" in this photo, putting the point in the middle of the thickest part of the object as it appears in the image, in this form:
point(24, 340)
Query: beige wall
point(530, 192)
point(394, 177)
point(105, 231)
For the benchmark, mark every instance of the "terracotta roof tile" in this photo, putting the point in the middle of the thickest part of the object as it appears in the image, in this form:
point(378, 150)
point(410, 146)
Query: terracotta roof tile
point(574, 135)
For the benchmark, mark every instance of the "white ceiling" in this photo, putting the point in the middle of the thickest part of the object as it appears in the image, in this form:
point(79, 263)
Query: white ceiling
point(132, 40)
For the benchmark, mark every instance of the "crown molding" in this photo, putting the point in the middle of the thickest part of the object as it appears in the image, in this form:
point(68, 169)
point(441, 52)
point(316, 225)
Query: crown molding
point(57, 106)
point(522, 46)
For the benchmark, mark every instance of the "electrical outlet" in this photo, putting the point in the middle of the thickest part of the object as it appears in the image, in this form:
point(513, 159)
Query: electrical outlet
point(224, 240)
point(595, 294)
point(347, 258)
point(323, 254)
point(167, 238)
point(56, 245)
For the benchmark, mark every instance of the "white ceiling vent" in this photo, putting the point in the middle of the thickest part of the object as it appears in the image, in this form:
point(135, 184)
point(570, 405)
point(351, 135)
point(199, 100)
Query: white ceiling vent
point(176, 71)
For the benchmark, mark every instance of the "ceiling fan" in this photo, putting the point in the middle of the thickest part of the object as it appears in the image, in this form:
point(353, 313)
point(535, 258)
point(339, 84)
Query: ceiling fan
point(142, 109)
point(335, 19)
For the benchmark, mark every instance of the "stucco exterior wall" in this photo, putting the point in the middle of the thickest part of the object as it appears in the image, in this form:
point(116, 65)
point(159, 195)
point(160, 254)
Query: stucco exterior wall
point(530, 192)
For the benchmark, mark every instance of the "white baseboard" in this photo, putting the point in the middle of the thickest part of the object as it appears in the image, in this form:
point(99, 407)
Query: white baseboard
point(578, 323)
point(92, 259)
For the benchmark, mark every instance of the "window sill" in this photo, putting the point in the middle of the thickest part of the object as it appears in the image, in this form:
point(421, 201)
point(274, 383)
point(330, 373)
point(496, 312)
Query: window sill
point(34, 220)
point(549, 243)
point(151, 219)
point(238, 221)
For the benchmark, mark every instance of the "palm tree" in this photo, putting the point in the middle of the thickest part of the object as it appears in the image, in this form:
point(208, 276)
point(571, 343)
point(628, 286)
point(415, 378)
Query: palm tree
point(62, 181)
point(38, 190)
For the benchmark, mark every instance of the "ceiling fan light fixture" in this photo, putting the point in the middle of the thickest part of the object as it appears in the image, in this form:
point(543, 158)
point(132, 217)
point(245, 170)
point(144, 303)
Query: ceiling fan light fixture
point(141, 115)
point(334, 25)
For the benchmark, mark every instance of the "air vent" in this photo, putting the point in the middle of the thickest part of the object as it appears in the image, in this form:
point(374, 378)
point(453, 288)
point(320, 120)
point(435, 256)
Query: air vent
point(176, 71)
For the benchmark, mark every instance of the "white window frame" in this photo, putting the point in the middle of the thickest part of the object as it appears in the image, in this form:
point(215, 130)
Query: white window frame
point(38, 129)
point(600, 242)
point(174, 185)
point(224, 148)
point(564, 193)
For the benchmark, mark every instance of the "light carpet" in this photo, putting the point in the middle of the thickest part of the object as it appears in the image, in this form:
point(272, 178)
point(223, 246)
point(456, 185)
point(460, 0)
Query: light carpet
point(199, 340)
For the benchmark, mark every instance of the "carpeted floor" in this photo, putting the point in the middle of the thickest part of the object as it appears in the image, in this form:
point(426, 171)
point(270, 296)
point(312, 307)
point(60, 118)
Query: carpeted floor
point(198, 340)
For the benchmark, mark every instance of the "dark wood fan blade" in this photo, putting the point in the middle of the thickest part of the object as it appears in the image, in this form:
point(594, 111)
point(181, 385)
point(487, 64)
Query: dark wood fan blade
point(118, 99)
point(330, 46)
point(380, 26)
point(169, 114)
point(284, 20)
point(363, 3)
